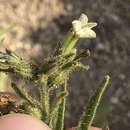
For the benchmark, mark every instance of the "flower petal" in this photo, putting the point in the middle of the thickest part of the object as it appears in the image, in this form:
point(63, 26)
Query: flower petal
point(91, 25)
point(76, 25)
point(87, 33)
point(82, 28)
point(83, 19)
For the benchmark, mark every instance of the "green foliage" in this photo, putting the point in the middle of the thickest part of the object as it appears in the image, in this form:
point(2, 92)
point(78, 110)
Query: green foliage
point(90, 111)
point(21, 92)
point(10, 62)
point(52, 75)
point(101, 118)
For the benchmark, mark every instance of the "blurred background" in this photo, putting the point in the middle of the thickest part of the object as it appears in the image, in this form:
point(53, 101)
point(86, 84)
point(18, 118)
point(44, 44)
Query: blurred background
point(40, 24)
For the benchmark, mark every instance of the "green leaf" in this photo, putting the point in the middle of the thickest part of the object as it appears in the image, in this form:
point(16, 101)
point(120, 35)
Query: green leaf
point(90, 111)
point(12, 63)
point(22, 93)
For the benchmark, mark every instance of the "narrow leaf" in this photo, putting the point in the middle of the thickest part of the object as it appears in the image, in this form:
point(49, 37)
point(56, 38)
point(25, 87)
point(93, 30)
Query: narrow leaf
point(90, 111)
point(22, 93)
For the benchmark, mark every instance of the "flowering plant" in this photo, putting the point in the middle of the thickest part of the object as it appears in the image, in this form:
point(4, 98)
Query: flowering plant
point(51, 75)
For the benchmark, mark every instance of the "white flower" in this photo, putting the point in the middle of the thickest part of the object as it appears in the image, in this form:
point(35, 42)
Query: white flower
point(82, 28)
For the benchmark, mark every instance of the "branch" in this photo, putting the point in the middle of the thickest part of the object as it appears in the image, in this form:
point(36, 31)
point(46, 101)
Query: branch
point(54, 110)
point(44, 99)
point(10, 62)
point(61, 111)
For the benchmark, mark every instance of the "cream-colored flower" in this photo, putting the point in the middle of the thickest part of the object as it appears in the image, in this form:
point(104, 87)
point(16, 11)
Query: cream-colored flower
point(82, 28)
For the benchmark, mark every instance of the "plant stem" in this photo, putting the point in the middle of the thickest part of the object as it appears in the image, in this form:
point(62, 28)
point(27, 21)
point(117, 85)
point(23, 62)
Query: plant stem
point(61, 111)
point(69, 43)
point(44, 98)
point(54, 110)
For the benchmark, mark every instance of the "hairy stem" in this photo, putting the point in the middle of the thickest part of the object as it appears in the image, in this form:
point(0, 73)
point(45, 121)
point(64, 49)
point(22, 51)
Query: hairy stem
point(44, 99)
point(69, 43)
point(54, 110)
point(61, 111)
